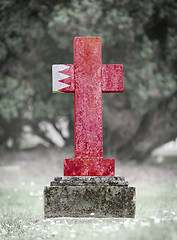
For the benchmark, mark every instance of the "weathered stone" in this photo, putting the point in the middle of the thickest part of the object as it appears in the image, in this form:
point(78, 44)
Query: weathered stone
point(97, 193)
point(89, 197)
point(85, 181)
point(88, 78)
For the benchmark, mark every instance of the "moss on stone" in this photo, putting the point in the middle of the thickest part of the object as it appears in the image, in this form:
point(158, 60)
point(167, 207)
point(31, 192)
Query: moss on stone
point(81, 201)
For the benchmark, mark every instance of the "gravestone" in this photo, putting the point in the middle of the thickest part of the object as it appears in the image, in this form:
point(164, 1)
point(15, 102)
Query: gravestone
point(89, 187)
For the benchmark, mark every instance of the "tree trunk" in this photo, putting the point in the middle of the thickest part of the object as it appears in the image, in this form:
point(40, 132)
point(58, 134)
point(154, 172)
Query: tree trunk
point(156, 127)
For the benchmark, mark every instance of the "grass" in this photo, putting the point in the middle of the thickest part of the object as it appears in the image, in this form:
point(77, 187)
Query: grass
point(21, 216)
point(21, 205)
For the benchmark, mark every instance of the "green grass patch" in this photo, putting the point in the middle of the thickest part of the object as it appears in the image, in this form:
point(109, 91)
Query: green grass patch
point(21, 216)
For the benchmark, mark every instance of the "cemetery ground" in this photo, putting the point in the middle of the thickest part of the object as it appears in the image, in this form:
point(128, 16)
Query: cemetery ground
point(24, 174)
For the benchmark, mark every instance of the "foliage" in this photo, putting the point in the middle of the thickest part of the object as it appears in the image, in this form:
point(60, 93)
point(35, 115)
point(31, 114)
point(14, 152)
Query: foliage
point(35, 34)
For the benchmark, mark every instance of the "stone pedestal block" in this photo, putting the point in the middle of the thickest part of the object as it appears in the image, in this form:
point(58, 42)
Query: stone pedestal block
point(89, 197)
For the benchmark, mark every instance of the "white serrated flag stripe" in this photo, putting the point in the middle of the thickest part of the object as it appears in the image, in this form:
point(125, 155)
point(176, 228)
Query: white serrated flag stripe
point(61, 67)
point(57, 76)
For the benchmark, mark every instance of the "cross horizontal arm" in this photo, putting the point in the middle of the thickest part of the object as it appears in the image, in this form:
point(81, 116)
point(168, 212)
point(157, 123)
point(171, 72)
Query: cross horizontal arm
point(63, 78)
point(112, 78)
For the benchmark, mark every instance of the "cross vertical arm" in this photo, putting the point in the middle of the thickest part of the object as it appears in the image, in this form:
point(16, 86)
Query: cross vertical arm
point(88, 98)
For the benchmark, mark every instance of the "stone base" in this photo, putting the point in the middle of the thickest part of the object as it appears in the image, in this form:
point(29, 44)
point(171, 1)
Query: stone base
point(89, 197)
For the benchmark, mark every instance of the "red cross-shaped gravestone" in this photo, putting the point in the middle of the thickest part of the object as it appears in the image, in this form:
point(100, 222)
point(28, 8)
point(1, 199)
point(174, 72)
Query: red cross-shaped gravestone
point(87, 78)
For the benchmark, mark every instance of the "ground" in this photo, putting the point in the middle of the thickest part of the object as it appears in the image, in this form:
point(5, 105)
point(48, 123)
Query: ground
point(24, 174)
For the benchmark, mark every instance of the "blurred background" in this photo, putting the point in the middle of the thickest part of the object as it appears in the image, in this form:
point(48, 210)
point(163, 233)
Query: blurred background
point(37, 127)
point(141, 35)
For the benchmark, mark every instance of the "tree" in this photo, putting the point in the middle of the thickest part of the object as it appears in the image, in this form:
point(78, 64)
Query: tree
point(140, 35)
